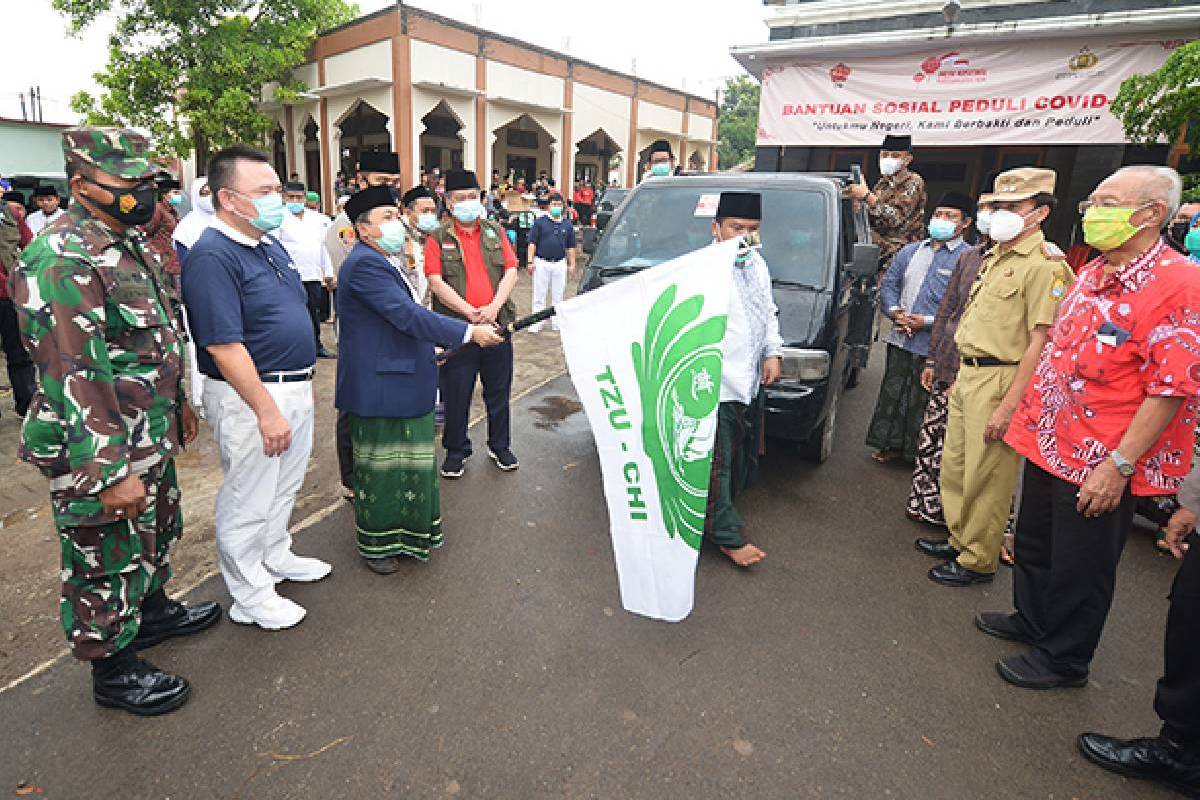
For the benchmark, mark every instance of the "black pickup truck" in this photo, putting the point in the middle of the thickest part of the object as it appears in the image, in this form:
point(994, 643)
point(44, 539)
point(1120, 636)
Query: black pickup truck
point(823, 266)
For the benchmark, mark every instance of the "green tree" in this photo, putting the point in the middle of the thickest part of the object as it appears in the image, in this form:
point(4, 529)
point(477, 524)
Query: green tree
point(1162, 103)
point(191, 72)
point(737, 122)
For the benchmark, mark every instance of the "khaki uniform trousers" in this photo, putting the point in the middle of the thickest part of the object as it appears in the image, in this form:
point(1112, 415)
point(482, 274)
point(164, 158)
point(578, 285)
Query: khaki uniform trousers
point(977, 477)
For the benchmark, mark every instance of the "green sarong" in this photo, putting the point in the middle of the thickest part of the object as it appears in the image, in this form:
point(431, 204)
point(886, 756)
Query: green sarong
point(734, 467)
point(397, 508)
point(896, 423)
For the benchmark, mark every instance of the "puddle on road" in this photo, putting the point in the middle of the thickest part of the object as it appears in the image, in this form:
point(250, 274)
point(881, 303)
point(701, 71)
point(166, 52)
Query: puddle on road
point(554, 410)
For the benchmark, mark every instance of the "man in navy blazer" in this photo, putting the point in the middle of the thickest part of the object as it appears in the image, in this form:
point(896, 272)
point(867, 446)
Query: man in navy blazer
point(386, 383)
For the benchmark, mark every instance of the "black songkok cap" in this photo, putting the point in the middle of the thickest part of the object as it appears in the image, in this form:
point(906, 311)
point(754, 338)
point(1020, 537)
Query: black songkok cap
point(166, 184)
point(13, 197)
point(364, 201)
point(416, 193)
point(459, 179)
point(661, 146)
point(295, 186)
point(957, 200)
point(740, 205)
point(903, 143)
point(45, 191)
point(376, 161)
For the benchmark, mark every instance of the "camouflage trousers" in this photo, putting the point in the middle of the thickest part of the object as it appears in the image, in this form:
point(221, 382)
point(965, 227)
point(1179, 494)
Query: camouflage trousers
point(110, 565)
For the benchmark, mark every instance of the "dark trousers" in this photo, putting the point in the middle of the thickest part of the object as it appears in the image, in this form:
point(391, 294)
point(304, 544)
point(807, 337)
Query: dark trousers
point(21, 372)
point(313, 290)
point(326, 304)
point(1066, 570)
point(494, 367)
point(1178, 698)
point(345, 449)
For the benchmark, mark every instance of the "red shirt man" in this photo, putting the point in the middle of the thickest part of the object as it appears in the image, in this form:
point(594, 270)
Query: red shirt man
point(1118, 339)
point(479, 285)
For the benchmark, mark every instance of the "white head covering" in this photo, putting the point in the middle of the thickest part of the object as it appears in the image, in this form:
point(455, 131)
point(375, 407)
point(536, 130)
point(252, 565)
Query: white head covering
point(195, 221)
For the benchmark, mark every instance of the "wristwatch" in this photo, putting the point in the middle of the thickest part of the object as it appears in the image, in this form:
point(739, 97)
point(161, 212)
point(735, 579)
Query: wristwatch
point(1123, 465)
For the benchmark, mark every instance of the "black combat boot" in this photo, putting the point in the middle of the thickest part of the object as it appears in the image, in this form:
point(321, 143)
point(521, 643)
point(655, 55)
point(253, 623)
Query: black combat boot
point(126, 682)
point(163, 618)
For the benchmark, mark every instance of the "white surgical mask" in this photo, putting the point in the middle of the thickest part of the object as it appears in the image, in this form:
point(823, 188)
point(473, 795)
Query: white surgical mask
point(890, 166)
point(1006, 225)
point(204, 203)
point(983, 221)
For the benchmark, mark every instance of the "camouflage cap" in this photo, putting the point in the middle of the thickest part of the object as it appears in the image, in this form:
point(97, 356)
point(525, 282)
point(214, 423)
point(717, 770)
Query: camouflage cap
point(121, 152)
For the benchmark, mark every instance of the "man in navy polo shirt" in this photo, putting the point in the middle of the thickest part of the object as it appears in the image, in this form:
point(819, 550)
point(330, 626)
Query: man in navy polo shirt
point(249, 316)
point(551, 256)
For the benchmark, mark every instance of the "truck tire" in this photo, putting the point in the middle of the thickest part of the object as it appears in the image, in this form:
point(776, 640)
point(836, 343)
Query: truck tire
point(819, 444)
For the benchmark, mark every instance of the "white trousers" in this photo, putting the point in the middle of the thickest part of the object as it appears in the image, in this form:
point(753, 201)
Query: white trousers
point(255, 500)
point(552, 276)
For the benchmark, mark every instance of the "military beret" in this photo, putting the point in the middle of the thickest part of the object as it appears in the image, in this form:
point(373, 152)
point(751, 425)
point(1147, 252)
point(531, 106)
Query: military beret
point(121, 152)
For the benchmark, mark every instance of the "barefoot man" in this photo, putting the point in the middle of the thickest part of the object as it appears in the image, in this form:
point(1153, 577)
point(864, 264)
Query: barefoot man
point(753, 358)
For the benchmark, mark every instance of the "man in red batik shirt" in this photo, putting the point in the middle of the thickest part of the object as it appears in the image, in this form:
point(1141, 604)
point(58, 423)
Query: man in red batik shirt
point(1109, 415)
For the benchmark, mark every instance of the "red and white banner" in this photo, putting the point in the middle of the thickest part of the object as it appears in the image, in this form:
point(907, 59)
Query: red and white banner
point(1035, 92)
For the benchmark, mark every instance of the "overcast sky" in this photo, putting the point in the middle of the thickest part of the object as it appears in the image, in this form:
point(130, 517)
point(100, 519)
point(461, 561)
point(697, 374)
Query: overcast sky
point(681, 43)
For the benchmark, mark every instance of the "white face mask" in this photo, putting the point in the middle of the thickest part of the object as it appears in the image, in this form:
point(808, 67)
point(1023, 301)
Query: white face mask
point(983, 221)
point(204, 203)
point(1007, 225)
point(890, 166)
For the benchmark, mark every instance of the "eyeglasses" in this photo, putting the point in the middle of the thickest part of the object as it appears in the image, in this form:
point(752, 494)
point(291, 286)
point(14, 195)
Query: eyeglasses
point(1109, 203)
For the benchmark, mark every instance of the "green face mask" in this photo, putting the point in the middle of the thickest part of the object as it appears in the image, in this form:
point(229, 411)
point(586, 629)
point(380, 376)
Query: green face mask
point(1108, 228)
point(1192, 241)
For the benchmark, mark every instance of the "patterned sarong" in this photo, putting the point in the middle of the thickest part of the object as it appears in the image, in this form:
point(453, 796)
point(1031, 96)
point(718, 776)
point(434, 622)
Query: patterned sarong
point(925, 497)
point(901, 405)
point(397, 508)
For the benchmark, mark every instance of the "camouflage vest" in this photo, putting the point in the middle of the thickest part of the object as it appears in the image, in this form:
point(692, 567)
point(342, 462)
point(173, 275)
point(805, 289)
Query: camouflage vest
point(454, 271)
point(10, 240)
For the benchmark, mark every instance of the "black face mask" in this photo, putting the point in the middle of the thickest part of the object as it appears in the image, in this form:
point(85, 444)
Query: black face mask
point(1179, 231)
point(129, 206)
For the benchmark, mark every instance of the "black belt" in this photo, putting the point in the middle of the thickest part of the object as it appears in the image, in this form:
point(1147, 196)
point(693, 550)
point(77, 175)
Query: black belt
point(987, 361)
point(278, 377)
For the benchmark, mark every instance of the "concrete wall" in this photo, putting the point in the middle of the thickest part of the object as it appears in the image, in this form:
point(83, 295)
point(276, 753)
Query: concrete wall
point(370, 61)
point(598, 109)
point(514, 83)
point(434, 64)
point(30, 148)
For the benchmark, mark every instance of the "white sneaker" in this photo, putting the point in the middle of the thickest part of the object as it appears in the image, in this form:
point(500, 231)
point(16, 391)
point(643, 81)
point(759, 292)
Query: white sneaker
point(302, 569)
point(273, 614)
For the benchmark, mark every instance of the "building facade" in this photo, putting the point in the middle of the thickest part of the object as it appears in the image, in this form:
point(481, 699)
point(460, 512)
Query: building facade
point(981, 85)
point(445, 94)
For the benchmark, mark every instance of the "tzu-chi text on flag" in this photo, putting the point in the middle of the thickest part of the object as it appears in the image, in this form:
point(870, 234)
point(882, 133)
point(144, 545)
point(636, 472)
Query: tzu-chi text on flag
point(645, 355)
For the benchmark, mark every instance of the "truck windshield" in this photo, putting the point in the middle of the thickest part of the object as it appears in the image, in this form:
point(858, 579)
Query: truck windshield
point(659, 224)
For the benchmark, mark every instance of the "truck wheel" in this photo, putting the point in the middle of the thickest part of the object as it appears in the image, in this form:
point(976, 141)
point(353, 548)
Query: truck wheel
point(820, 444)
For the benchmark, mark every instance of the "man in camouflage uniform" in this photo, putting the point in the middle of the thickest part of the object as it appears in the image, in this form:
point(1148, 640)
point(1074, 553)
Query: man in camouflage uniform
point(896, 205)
point(109, 418)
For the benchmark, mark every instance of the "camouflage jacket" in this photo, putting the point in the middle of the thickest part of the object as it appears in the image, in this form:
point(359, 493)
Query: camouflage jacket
point(99, 326)
point(898, 217)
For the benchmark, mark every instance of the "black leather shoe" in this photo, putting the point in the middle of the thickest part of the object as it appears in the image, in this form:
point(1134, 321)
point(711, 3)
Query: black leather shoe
point(175, 619)
point(140, 688)
point(383, 566)
point(1158, 759)
point(1022, 671)
point(323, 353)
point(1002, 626)
point(937, 548)
point(954, 574)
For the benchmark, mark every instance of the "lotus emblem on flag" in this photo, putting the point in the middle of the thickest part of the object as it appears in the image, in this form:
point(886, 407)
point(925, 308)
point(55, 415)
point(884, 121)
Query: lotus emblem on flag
point(678, 368)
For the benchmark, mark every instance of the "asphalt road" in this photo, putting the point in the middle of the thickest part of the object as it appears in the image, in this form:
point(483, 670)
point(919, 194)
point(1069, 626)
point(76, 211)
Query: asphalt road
point(506, 668)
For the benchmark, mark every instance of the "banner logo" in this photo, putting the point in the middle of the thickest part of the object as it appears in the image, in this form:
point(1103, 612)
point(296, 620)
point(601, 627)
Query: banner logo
point(839, 75)
point(1084, 59)
point(678, 368)
point(952, 67)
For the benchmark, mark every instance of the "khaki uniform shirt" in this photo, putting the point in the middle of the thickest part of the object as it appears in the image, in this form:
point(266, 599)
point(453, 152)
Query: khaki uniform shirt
point(1017, 290)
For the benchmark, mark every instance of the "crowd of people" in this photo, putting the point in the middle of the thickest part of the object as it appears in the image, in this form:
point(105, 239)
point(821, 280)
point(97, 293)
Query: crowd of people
point(1041, 407)
point(1032, 399)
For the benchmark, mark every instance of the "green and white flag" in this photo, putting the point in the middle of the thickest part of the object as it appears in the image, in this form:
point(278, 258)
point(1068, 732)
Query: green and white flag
point(645, 355)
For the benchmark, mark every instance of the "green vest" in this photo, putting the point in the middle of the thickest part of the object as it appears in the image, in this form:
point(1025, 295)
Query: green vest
point(454, 271)
point(10, 240)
